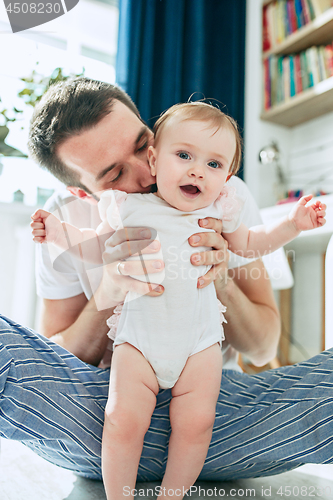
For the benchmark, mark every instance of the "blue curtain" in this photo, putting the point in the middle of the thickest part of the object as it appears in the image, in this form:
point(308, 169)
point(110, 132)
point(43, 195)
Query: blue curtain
point(171, 49)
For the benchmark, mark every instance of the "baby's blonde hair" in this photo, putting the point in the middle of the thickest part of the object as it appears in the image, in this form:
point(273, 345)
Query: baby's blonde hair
point(204, 112)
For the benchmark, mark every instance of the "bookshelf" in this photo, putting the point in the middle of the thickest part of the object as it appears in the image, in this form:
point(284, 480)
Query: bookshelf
point(310, 102)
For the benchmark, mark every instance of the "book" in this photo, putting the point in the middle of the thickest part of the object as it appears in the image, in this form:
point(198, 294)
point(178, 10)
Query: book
point(266, 44)
point(298, 74)
point(311, 10)
point(299, 14)
point(280, 82)
point(306, 11)
point(316, 8)
point(292, 76)
point(276, 23)
point(284, 13)
point(320, 6)
point(305, 72)
point(273, 73)
point(321, 61)
point(288, 24)
point(267, 89)
point(313, 66)
point(292, 14)
point(316, 72)
point(271, 21)
point(329, 59)
point(286, 77)
point(280, 21)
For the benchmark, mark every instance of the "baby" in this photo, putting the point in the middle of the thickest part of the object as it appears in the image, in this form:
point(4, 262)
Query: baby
point(174, 340)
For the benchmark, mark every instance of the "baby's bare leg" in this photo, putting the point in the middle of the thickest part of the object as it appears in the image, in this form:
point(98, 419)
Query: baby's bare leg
point(131, 402)
point(192, 415)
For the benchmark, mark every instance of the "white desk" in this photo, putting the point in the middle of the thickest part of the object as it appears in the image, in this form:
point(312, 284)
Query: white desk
point(17, 291)
point(307, 255)
point(315, 240)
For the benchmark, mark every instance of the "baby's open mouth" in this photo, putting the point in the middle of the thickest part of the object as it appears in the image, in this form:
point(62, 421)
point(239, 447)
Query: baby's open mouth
point(190, 191)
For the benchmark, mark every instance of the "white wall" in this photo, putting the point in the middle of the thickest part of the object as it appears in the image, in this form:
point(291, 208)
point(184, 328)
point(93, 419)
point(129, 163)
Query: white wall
point(311, 155)
point(307, 159)
point(257, 133)
point(17, 292)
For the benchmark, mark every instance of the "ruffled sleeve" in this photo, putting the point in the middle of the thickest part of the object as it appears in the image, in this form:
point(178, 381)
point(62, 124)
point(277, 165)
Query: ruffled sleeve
point(109, 207)
point(113, 321)
point(232, 208)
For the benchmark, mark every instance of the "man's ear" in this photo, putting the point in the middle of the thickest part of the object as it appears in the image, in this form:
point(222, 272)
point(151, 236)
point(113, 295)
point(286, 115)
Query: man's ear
point(152, 160)
point(80, 193)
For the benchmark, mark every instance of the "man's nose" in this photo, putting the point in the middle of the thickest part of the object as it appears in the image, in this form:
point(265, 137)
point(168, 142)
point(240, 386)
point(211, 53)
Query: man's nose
point(140, 171)
point(138, 165)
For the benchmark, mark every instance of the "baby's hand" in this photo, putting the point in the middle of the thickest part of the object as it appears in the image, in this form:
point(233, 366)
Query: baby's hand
point(46, 228)
point(308, 217)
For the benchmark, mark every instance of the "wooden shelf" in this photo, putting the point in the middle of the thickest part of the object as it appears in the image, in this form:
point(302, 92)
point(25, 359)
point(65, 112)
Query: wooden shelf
point(309, 104)
point(317, 100)
point(318, 32)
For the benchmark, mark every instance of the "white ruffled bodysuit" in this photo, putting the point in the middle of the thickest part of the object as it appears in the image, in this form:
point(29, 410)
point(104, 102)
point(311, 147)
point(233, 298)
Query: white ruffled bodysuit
point(184, 320)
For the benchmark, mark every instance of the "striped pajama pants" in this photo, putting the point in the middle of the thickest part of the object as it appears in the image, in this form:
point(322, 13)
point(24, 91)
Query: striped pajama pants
point(265, 424)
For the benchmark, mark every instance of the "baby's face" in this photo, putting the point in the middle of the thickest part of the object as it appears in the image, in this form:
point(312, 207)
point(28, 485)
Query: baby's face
point(191, 162)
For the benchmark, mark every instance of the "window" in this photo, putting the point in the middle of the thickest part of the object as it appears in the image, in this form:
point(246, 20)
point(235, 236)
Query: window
point(85, 37)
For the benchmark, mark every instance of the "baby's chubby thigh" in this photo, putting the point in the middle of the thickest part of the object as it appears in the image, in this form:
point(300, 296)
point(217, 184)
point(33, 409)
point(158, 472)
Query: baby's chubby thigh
point(192, 408)
point(132, 393)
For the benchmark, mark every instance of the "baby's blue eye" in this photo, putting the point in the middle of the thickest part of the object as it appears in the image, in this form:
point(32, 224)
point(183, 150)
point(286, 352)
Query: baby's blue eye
point(183, 155)
point(214, 164)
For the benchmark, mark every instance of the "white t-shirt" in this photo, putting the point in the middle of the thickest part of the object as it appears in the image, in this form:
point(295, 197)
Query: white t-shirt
point(61, 276)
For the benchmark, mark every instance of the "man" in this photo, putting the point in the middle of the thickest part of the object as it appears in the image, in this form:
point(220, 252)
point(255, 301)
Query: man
point(110, 151)
point(90, 136)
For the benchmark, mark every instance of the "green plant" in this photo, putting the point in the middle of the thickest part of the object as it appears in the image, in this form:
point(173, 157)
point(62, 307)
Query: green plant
point(11, 117)
point(35, 86)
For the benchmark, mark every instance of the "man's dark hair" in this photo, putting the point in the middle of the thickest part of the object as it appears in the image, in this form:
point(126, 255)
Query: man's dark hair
point(67, 109)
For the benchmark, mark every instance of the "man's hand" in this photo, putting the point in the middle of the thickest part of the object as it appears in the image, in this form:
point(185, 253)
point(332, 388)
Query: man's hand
point(218, 257)
point(117, 270)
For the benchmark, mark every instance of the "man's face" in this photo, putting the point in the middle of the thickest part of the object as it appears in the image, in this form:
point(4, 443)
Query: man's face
point(111, 154)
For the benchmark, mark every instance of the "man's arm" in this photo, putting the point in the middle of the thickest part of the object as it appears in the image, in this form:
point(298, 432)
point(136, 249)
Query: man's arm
point(253, 319)
point(253, 326)
point(76, 325)
point(79, 325)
